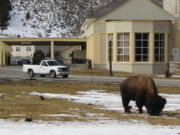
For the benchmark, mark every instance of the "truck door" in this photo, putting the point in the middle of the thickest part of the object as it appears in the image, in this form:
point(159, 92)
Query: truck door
point(44, 68)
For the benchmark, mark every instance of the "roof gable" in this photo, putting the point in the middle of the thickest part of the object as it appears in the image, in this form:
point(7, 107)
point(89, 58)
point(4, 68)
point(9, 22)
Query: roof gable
point(106, 9)
point(132, 10)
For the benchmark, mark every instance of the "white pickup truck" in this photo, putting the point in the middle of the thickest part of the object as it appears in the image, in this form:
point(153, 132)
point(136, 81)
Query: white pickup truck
point(47, 67)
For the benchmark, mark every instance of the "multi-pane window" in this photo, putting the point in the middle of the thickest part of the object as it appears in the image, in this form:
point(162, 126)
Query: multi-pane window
point(110, 47)
point(159, 47)
point(18, 49)
point(123, 47)
point(141, 47)
point(28, 49)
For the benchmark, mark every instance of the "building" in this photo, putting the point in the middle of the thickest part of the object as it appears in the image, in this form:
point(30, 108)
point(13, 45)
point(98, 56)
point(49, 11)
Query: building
point(22, 51)
point(19, 52)
point(139, 35)
point(51, 47)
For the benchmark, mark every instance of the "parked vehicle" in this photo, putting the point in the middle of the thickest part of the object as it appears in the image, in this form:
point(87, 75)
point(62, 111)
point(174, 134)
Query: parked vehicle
point(47, 67)
point(23, 61)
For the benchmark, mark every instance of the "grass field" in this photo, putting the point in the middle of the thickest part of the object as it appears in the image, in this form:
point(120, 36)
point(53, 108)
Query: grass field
point(104, 72)
point(18, 104)
point(97, 72)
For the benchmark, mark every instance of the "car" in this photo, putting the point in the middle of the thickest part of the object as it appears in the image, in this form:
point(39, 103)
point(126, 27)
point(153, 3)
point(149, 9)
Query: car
point(23, 61)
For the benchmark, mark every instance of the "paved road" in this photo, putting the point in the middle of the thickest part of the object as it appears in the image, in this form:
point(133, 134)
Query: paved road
point(16, 74)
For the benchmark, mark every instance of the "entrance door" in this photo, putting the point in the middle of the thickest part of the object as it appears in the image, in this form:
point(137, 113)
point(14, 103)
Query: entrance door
point(175, 53)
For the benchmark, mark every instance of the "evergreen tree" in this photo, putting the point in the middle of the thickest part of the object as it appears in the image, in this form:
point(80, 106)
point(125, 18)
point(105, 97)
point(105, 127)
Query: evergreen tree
point(28, 16)
point(5, 7)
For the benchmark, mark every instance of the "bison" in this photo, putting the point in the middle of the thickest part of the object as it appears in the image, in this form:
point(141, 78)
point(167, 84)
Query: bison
point(143, 90)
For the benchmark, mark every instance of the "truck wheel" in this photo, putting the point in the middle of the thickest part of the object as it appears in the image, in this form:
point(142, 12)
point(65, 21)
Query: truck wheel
point(30, 73)
point(65, 76)
point(52, 74)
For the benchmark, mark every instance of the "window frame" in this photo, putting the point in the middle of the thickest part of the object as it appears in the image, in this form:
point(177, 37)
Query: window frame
point(18, 49)
point(123, 45)
point(28, 48)
point(141, 47)
point(159, 45)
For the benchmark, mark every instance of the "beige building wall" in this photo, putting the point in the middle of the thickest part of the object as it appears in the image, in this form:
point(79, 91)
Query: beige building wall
point(23, 51)
point(176, 33)
point(90, 48)
point(97, 48)
point(103, 44)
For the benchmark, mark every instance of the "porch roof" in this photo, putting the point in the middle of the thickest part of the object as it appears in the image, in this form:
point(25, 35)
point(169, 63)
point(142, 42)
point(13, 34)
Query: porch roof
point(44, 41)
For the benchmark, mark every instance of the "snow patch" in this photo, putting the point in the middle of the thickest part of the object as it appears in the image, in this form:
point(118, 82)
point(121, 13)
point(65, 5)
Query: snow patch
point(109, 101)
point(58, 115)
point(77, 128)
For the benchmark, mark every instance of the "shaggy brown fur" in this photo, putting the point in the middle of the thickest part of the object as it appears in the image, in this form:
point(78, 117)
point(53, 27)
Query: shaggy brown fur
point(141, 89)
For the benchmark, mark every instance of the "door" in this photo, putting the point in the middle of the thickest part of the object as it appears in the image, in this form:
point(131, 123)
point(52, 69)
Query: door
point(175, 53)
point(44, 68)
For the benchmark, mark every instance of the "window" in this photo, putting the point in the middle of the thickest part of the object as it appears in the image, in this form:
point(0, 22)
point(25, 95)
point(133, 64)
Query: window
point(123, 50)
point(53, 63)
point(110, 47)
point(18, 49)
point(142, 47)
point(28, 49)
point(159, 43)
point(44, 63)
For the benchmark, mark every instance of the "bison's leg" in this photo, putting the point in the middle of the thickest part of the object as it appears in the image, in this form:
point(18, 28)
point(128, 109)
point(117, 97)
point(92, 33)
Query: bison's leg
point(139, 103)
point(125, 97)
point(125, 102)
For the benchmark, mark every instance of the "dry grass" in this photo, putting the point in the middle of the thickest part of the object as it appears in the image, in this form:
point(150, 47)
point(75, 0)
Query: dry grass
point(18, 104)
point(169, 90)
point(97, 72)
point(18, 101)
point(104, 72)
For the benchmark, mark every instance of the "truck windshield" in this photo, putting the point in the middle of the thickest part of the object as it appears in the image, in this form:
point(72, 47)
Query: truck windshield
point(53, 63)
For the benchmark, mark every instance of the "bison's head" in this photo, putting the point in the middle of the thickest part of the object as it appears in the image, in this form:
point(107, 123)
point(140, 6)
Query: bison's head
point(156, 105)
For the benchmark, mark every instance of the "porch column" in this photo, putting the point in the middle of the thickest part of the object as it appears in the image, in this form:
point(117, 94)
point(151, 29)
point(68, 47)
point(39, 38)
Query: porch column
point(151, 48)
point(166, 48)
point(4, 54)
point(52, 49)
point(8, 53)
point(1, 53)
point(114, 48)
point(132, 48)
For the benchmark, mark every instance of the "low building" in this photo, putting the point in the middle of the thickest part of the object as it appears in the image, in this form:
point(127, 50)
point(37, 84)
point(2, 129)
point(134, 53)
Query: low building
point(19, 52)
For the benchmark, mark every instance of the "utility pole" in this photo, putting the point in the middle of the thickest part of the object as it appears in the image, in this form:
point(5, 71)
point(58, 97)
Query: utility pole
point(110, 38)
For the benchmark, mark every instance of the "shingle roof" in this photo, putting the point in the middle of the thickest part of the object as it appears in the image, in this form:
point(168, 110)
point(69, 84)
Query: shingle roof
point(109, 7)
point(106, 9)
